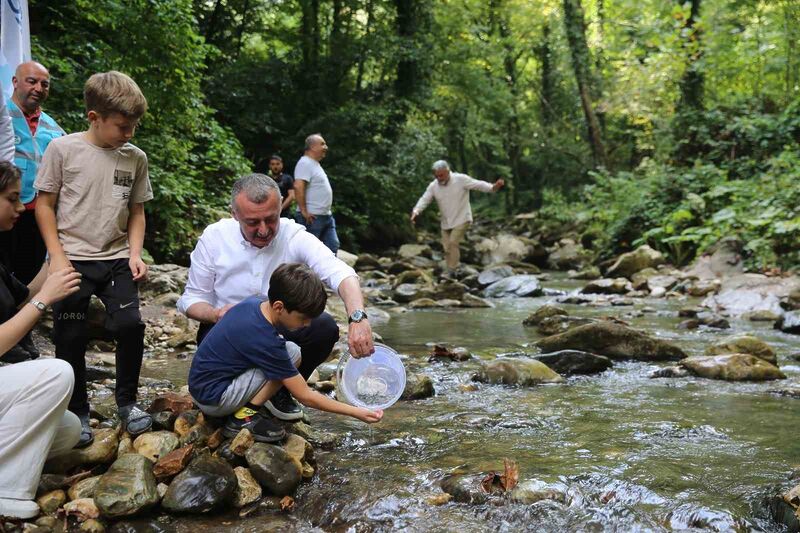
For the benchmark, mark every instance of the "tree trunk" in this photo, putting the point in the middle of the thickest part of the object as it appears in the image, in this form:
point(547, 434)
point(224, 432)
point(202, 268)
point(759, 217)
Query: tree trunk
point(362, 54)
point(575, 27)
point(693, 80)
point(412, 23)
point(547, 93)
point(511, 141)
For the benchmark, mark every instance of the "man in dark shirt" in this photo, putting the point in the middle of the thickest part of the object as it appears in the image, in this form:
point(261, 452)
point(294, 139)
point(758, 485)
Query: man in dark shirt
point(285, 184)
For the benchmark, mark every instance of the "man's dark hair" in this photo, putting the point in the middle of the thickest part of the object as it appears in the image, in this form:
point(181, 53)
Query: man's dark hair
point(276, 157)
point(299, 288)
point(9, 174)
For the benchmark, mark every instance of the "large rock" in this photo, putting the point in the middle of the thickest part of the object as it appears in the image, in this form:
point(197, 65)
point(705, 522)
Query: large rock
point(613, 340)
point(127, 488)
point(568, 255)
point(494, 274)
point(408, 251)
point(407, 292)
point(743, 344)
point(630, 263)
point(155, 444)
point(503, 247)
point(207, 483)
point(273, 468)
point(173, 463)
point(522, 285)
point(570, 362)
point(346, 257)
point(418, 386)
point(451, 290)
point(247, 490)
point(84, 488)
point(464, 489)
point(732, 367)
point(171, 401)
point(556, 324)
point(101, 451)
point(541, 313)
point(470, 300)
point(513, 371)
point(608, 286)
point(747, 293)
point(789, 322)
point(722, 260)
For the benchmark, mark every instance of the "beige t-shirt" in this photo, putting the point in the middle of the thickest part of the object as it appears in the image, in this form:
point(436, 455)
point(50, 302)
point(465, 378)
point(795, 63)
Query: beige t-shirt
point(96, 188)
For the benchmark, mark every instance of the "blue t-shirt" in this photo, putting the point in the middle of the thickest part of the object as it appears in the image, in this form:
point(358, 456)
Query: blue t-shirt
point(242, 340)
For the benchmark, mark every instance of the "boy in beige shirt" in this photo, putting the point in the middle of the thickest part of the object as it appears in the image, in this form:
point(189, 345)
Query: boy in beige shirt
point(92, 188)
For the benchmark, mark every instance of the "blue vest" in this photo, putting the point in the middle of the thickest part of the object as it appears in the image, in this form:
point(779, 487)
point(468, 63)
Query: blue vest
point(29, 149)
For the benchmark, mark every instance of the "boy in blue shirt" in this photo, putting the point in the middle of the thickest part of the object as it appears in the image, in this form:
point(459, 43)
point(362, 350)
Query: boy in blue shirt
point(243, 361)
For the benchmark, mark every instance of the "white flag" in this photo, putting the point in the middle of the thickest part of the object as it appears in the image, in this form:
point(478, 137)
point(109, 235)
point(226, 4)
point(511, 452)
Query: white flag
point(15, 40)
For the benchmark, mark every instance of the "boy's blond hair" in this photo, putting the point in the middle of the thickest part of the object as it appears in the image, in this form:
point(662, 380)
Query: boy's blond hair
point(114, 92)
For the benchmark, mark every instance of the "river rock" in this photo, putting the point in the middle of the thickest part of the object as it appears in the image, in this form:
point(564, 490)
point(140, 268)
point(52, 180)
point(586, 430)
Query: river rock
point(703, 287)
point(93, 525)
point(242, 442)
point(127, 488)
point(208, 483)
point(630, 263)
point(173, 462)
point(185, 421)
point(51, 501)
point(521, 285)
point(198, 434)
point(569, 362)
point(84, 488)
point(639, 280)
point(590, 272)
point(398, 267)
point(784, 513)
point(789, 322)
point(407, 251)
point(613, 340)
point(324, 440)
point(367, 262)
point(247, 488)
point(83, 509)
point(530, 492)
point(568, 255)
point(503, 247)
point(541, 313)
point(746, 293)
point(494, 274)
point(470, 300)
point(450, 290)
point(171, 401)
point(346, 257)
point(298, 448)
point(520, 372)
point(418, 386)
point(464, 489)
point(273, 468)
point(553, 325)
point(732, 367)
point(156, 444)
point(744, 344)
point(664, 282)
point(608, 286)
point(415, 276)
point(671, 372)
point(423, 303)
point(407, 292)
point(101, 451)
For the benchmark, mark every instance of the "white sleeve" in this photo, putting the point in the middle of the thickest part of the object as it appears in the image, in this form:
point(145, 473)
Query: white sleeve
point(302, 171)
point(476, 185)
point(305, 248)
point(7, 144)
point(200, 285)
point(424, 200)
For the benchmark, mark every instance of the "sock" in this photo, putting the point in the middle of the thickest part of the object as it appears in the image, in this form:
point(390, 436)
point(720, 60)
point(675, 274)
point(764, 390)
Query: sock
point(246, 411)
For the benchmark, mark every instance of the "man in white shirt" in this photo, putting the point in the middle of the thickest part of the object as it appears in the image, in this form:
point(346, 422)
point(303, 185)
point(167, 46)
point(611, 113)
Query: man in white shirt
point(451, 191)
point(235, 258)
point(313, 193)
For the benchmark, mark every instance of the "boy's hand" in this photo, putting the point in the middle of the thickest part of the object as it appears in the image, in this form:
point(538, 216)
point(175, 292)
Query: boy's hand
point(138, 268)
point(359, 339)
point(370, 417)
point(219, 313)
point(58, 263)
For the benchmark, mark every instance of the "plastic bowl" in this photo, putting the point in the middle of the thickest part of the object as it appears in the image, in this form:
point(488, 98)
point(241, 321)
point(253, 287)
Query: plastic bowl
point(374, 382)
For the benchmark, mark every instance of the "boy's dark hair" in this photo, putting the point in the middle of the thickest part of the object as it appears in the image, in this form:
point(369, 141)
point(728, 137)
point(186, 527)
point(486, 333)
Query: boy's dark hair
point(9, 174)
point(299, 288)
point(276, 157)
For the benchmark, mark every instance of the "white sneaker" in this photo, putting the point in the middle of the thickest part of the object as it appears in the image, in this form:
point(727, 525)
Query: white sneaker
point(22, 509)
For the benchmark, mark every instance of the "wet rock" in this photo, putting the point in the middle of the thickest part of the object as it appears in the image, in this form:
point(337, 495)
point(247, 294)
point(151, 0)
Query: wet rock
point(464, 489)
point(273, 468)
point(790, 391)
point(470, 300)
point(247, 488)
point(591, 272)
point(173, 462)
point(125, 446)
point(746, 293)
point(242, 442)
point(443, 351)
point(789, 322)
point(208, 483)
point(784, 513)
point(215, 439)
point(101, 451)
point(84, 488)
point(689, 312)
point(99, 373)
point(632, 262)
point(530, 492)
point(613, 340)
point(761, 316)
point(323, 440)
point(703, 287)
point(671, 372)
point(408, 292)
point(298, 448)
point(661, 282)
point(449, 290)
point(423, 303)
point(543, 312)
point(559, 324)
point(83, 509)
point(47, 522)
point(367, 262)
point(520, 286)
point(93, 526)
point(639, 280)
point(494, 274)
point(570, 362)
point(50, 502)
point(399, 267)
point(224, 452)
point(568, 255)
point(415, 276)
point(156, 444)
point(127, 488)
point(608, 286)
point(744, 344)
point(185, 421)
point(732, 367)
point(519, 372)
point(198, 435)
point(407, 251)
point(418, 386)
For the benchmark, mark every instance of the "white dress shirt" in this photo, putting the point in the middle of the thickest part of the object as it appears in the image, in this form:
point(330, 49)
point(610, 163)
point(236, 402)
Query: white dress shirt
point(226, 269)
point(453, 198)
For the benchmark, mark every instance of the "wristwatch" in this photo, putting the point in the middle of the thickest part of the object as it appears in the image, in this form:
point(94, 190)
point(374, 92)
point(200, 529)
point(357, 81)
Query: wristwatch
point(357, 316)
point(41, 306)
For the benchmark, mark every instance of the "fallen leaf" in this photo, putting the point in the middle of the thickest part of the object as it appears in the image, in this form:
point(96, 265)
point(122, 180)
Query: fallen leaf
point(511, 477)
point(287, 503)
point(487, 483)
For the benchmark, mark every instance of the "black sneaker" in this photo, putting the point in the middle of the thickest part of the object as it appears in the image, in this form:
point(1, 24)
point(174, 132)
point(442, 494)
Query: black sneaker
point(135, 420)
point(283, 407)
point(262, 428)
point(86, 432)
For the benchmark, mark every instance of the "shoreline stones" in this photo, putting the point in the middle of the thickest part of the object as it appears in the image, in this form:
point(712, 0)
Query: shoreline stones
point(517, 371)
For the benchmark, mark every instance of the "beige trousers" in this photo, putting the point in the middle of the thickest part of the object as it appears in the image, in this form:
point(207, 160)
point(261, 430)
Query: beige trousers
point(34, 422)
point(451, 238)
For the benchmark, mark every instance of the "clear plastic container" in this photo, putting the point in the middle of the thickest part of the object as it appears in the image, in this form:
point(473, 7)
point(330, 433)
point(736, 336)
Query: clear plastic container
point(374, 382)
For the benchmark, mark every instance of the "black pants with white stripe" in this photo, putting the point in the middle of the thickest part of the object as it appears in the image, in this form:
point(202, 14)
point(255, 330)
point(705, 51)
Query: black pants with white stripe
point(112, 282)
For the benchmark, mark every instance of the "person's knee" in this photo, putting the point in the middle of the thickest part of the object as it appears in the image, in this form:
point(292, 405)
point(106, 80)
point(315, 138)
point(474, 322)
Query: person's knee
point(327, 329)
point(70, 330)
point(128, 322)
point(60, 376)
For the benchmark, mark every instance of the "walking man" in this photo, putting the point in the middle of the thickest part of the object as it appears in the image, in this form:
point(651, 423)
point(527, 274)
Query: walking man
point(314, 194)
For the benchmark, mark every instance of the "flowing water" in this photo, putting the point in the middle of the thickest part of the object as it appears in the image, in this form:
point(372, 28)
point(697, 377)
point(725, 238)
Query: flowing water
point(630, 453)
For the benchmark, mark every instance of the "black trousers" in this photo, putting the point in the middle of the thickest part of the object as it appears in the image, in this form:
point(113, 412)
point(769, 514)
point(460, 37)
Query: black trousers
point(316, 341)
point(113, 283)
point(22, 249)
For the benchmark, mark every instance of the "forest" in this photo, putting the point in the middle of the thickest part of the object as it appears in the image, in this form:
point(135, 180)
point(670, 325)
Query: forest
point(672, 123)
